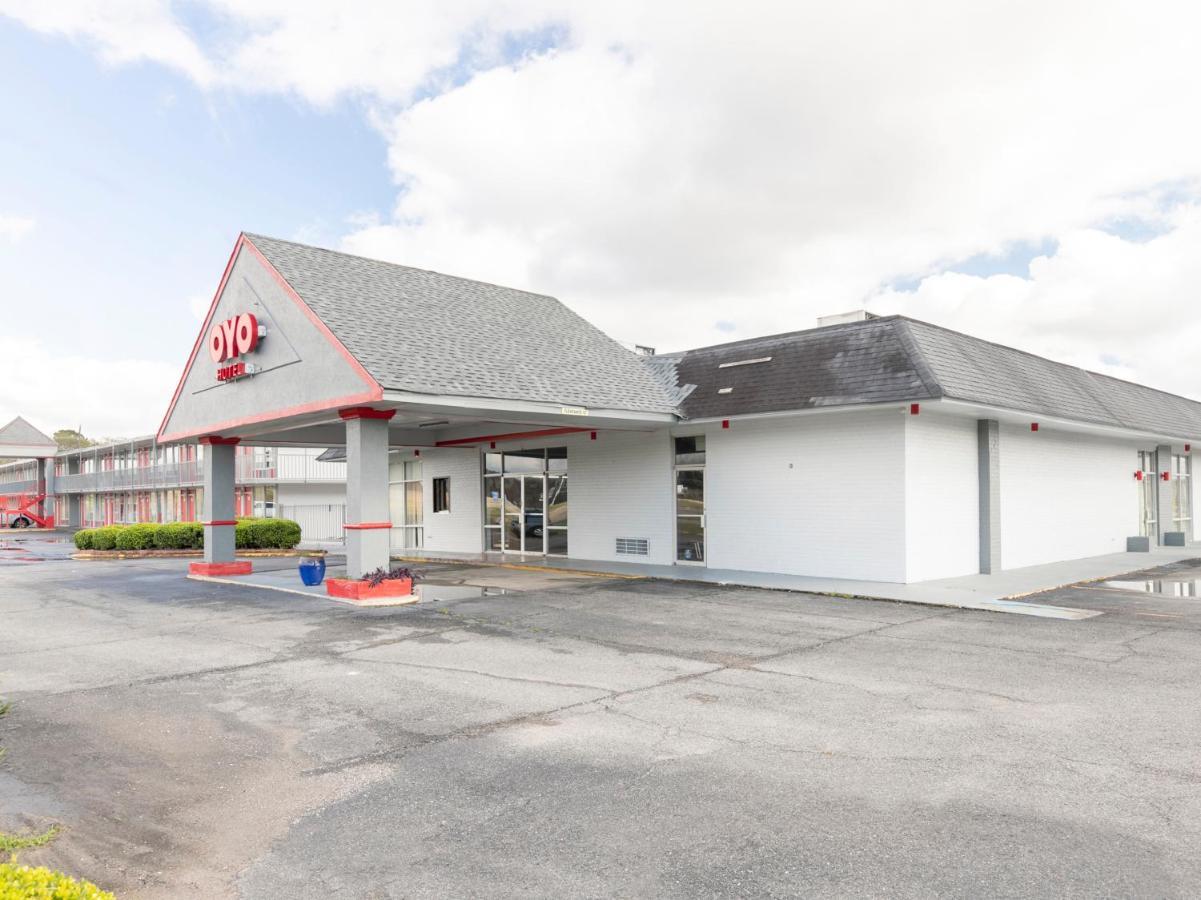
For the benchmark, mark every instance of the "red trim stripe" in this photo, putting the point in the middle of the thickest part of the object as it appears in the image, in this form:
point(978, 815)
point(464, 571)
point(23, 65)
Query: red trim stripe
point(221, 522)
point(367, 526)
point(365, 412)
point(214, 440)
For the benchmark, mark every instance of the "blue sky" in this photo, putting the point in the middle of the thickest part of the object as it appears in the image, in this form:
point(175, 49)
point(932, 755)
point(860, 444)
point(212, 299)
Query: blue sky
point(139, 184)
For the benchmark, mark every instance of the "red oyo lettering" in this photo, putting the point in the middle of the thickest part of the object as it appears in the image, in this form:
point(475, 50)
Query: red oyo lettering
point(233, 337)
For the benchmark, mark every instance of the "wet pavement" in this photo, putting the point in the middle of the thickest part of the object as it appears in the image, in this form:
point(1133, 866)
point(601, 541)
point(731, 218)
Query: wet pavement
point(600, 737)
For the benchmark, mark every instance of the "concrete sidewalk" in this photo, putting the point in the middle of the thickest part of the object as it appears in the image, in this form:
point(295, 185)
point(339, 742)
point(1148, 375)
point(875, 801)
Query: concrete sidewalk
point(994, 593)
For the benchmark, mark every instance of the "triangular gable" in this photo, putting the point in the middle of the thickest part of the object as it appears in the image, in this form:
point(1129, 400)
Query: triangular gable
point(297, 367)
point(19, 439)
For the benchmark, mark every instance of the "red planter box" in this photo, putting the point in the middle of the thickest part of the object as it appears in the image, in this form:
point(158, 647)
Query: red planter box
point(221, 568)
point(348, 589)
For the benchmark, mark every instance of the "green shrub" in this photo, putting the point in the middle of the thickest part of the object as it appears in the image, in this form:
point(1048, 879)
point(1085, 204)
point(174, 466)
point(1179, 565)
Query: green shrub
point(179, 536)
point(83, 539)
point(105, 538)
point(137, 537)
point(27, 883)
point(266, 534)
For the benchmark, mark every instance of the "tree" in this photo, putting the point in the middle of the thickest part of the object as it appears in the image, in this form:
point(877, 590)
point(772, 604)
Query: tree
point(71, 439)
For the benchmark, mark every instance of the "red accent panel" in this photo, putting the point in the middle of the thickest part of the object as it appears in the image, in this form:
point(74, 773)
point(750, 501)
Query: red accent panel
point(1166, 476)
point(416, 453)
point(214, 440)
point(221, 568)
point(512, 436)
point(1034, 426)
point(365, 526)
point(374, 391)
point(348, 589)
point(1138, 476)
point(221, 522)
point(366, 412)
point(1188, 448)
point(725, 423)
point(592, 436)
point(915, 409)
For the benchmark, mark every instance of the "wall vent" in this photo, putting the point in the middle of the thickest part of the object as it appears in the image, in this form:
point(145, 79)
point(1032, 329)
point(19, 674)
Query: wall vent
point(631, 546)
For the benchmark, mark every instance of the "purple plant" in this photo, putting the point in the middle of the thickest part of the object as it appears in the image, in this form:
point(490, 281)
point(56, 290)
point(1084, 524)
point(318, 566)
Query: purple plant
point(380, 575)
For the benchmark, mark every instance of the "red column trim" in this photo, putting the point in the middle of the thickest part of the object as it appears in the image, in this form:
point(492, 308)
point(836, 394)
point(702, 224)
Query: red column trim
point(366, 412)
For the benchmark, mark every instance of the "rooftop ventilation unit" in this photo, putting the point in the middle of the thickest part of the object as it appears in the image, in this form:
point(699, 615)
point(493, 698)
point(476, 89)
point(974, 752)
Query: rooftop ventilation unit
point(855, 315)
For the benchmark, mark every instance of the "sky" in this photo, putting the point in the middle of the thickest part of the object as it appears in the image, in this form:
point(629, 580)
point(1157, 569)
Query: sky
point(679, 173)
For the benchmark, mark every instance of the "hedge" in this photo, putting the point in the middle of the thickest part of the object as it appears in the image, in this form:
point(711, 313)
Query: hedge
point(28, 883)
point(249, 534)
point(179, 536)
point(136, 537)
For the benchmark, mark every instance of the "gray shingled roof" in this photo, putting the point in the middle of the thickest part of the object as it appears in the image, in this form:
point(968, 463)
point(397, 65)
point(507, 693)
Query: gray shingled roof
point(840, 365)
point(421, 331)
point(895, 359)
point(18, 431)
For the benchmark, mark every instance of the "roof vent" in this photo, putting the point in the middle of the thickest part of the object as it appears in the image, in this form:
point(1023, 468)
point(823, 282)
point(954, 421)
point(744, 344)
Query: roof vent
point(744, 362)
point(855, 315)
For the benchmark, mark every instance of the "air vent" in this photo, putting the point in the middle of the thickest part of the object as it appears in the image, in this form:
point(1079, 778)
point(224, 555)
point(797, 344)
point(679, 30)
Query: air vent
point(631, 546)
point(744, 362)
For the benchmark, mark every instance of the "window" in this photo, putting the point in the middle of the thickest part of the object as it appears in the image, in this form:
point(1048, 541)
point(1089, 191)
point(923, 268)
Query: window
point(405, 503)
point(690, 451)
point(1182, 494)
point(441, 495)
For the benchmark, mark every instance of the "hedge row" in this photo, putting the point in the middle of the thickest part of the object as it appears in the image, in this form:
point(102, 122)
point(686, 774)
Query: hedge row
point(249, 534)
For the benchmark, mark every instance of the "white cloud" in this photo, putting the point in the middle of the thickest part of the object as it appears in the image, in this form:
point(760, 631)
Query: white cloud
point(13, 228)
point(1121, 307)
point(122, 31)
point(109, 398)
point(691, 172)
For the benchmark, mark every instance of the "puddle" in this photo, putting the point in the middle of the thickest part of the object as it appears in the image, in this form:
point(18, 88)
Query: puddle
point(1163, 587)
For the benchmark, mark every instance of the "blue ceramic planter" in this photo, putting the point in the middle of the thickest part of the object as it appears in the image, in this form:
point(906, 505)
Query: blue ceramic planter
point(312, 570)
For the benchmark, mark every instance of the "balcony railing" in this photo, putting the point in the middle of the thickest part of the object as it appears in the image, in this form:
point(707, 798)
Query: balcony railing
point(16, 488)
point(283, 467)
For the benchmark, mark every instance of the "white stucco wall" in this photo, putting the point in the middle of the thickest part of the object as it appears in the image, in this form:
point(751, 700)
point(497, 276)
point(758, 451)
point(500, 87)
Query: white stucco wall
point(620, 486)
point(461, 529)
point(809, 495)
point(942, 537)
point(1064, 496)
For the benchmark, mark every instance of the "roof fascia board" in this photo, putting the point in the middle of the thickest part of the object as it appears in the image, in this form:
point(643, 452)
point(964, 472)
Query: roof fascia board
point(980, 410)
point(448, 403)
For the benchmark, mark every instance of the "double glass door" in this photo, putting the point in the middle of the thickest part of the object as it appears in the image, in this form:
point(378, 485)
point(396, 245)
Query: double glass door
point(525, 501)
point(524, 523)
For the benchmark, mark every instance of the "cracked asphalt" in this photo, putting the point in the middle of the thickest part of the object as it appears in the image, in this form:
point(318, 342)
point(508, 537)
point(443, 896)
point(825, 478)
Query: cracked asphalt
point(594, 738)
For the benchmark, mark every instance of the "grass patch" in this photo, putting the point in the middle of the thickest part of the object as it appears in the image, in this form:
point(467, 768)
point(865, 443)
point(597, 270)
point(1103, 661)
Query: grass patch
point(10, 843)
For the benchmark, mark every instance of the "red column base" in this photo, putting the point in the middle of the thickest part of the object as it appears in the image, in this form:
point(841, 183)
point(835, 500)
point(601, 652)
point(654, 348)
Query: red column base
point(221, 568)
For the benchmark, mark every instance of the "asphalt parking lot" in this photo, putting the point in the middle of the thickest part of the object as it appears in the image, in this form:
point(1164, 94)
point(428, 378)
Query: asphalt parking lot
point(594, 737)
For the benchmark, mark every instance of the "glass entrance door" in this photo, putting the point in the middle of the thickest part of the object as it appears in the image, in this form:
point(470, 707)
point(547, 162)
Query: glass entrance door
point(690, 515)
point(524, 514)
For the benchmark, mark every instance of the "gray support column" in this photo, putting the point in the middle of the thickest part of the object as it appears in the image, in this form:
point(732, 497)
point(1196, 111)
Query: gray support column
point(988, 449)
point(368, 518)
point(46, 485)
point(217, 513)
point(1163, 493)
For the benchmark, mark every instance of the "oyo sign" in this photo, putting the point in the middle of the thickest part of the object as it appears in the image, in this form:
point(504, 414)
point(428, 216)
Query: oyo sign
point(231, 338)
